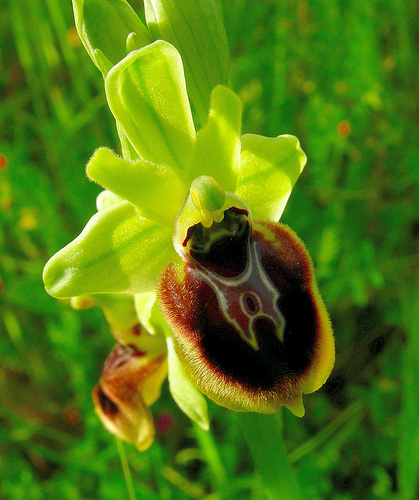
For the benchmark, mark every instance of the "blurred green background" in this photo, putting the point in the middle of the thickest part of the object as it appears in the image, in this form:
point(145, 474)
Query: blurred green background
point(342, 76)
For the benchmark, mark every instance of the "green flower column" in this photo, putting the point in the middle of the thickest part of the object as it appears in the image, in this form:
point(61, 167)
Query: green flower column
point(187, 232)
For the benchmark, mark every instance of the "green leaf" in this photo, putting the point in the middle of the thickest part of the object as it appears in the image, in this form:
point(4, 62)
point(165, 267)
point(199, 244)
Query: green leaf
point(146, 93)
point(184, 392)
point(268, 170)
point(117, 251)
point(105, 25)
point(195, 28)
point(157, 191)
point(217, 149)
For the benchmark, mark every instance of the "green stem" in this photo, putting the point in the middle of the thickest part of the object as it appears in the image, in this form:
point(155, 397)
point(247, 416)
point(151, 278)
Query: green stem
point(264, 437)
point(211, 453)
point(126, 469)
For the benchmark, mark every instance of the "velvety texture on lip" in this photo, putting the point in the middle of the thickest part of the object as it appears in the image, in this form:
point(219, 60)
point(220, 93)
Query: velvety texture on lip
point(235, 372)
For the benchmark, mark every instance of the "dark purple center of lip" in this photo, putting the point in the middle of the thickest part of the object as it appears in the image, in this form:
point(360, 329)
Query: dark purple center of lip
point(225, 349)
point(266, 366)
point(225, 255)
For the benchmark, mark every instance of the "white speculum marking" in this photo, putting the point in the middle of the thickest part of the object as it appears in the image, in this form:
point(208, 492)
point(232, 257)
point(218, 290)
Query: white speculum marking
point(247, 297)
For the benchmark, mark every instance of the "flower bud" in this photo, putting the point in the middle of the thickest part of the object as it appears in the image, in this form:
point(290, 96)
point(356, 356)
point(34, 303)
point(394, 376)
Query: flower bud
point(196, 30)
point(248, 322)
point(129, 384)
point(108, 26)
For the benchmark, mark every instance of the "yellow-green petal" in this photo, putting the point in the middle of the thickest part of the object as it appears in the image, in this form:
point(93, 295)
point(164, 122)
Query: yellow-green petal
point(217, 149)
point(146, 93)
point(117, 251)
point(157, 191)
point(268, 170)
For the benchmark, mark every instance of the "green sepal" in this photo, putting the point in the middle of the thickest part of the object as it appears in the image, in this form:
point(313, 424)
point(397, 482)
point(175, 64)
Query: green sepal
point(120, 310)
point(189, 399)
point(268, 170)
point(106, 198)
point(117, 251)
point(105, 25)
point(196, 29)
point(146, 93)
point(217, 149)
point(157, 191)
point(144, 304)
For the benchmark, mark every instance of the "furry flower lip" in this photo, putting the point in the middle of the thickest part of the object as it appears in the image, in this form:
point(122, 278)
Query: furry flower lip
point(248, 322)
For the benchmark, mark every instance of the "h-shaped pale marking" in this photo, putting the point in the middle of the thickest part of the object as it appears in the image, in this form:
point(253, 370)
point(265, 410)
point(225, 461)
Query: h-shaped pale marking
point(252, 283)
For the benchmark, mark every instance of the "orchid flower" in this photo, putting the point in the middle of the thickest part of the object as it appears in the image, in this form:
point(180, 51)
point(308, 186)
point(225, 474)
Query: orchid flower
point(187, 233)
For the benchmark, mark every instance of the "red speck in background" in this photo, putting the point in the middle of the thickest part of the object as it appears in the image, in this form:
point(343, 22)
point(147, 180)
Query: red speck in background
point(164, 422)
point(73, 37)
point(72, 416)
point(344, 128)
point(1, 286)
point(3, 161)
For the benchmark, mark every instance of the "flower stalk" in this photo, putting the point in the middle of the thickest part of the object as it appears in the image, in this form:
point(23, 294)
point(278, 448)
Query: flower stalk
point(271, 459)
